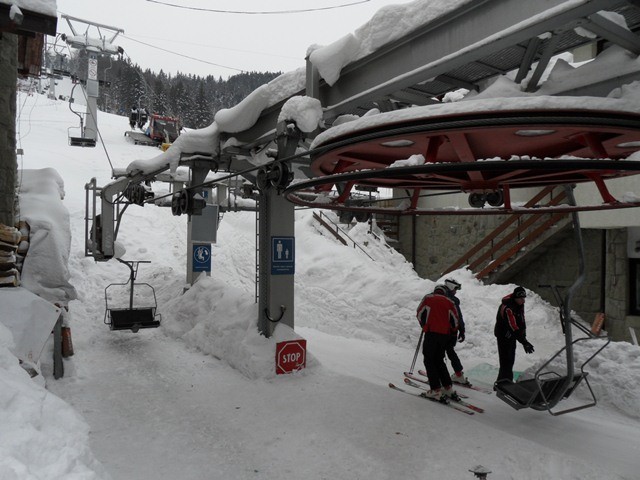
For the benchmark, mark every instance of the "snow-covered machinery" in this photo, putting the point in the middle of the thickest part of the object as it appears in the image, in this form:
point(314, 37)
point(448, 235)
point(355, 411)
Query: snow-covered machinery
point(162, 129)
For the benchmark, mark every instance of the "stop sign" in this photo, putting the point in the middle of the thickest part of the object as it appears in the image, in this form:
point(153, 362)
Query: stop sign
point(291, 356)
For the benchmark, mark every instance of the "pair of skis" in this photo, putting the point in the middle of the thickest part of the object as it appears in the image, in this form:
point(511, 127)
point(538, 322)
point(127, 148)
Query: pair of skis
point(456, 402)
point(468, 385)
point(446, 403)
point(458, 398)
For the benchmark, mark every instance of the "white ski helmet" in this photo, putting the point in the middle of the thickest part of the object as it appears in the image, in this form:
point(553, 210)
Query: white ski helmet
point(452, 284)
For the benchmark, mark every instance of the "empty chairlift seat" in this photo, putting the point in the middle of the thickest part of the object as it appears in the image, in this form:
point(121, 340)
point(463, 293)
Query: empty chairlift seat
point(132, 319)
point(140, 310)
point(82, 142)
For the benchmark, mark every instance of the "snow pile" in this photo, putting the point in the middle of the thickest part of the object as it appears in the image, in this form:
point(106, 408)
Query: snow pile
point(368, 292)
point(201, 318)
point(42, 436)
point(564, 77)
point(306, 112)
point(247, 112)
point(413, 160)
point(45, 271)
point(205, 140)
point(614, 375)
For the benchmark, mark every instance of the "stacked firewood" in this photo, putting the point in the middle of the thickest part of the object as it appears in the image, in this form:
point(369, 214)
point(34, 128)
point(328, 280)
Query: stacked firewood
point(14, 243)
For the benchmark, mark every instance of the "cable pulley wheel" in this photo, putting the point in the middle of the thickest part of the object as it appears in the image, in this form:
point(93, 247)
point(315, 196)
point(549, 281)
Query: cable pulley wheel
point(262, 179)
point(280, 175)
point(175, 205)
point(184, 202)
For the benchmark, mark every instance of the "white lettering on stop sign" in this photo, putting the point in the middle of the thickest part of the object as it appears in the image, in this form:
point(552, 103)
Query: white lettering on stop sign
point(291, 356)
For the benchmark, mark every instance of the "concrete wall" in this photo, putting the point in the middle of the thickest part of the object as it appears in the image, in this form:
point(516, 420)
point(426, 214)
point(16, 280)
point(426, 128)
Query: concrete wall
point(559, 266)
point(8, 164)
point(617, 285)
point(442, 239)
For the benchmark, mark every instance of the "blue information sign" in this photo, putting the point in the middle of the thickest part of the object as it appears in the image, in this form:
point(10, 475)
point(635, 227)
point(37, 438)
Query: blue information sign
point(283, 256)
point(201, 258)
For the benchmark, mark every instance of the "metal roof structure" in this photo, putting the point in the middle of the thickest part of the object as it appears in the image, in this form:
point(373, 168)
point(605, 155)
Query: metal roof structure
point(465, 48)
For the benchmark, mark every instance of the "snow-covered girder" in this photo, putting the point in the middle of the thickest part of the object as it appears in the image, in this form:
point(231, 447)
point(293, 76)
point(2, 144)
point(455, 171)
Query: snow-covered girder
point(469, 45)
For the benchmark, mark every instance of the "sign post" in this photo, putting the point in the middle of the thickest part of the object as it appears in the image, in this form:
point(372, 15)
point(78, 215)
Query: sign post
point(291, 356)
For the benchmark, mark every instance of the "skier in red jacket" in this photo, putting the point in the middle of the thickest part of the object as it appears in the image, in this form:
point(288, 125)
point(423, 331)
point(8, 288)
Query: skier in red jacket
point(438, 317)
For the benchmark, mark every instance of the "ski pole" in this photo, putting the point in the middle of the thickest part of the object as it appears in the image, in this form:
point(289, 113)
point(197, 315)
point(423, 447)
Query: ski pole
point(415, 356)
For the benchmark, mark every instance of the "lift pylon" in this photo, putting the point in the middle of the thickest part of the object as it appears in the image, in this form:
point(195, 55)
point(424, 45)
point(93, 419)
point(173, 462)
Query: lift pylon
point(94, 47)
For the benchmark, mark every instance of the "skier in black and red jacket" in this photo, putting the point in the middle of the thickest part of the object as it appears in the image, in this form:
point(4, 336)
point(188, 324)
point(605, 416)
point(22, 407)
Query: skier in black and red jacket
point(438, 317)
point(511, 327)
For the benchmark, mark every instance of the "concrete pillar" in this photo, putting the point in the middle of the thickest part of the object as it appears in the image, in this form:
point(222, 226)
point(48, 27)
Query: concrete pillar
point(8, 162)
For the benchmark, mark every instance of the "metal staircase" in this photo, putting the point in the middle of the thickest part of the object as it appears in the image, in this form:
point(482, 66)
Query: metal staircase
point(516, 239)
point(337, 232)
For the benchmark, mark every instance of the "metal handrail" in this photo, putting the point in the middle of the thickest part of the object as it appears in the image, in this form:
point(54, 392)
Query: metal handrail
point(340, 230)
point(489, 239)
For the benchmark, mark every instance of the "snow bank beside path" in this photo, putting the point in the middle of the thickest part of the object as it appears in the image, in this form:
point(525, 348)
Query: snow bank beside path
point(41, 436)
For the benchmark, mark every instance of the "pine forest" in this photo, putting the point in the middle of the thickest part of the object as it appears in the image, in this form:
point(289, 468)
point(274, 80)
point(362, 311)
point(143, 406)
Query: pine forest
point(192, 99)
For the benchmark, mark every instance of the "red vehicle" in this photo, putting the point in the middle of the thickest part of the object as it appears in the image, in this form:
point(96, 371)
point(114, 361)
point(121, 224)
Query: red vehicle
point(163, 129)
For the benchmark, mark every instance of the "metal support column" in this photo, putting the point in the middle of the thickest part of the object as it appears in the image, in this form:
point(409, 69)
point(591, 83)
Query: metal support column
point(201, 229)
point(275, 300)
point(276, 238)
point(92, 91)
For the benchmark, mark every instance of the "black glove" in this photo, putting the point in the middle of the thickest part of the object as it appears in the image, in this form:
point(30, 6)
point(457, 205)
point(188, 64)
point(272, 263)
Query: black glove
point(461, 336)
point(528, 348)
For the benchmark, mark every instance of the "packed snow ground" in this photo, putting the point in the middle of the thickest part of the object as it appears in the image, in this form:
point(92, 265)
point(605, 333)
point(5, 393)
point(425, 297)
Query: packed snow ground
point(198, 397)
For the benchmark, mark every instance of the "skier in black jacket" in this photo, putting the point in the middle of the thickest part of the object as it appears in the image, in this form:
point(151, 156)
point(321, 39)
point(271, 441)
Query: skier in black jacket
point(511, 327)
point(450, 288)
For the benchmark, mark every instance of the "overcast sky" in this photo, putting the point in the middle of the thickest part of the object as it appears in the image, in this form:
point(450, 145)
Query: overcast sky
point(229, 42)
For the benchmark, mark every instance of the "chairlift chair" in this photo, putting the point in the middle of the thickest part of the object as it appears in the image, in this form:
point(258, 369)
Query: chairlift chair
point(132, 317)
point(548, 388)
point(82, 140)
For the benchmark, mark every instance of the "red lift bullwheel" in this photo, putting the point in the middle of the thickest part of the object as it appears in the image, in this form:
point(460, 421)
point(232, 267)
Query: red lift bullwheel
point(485, 154)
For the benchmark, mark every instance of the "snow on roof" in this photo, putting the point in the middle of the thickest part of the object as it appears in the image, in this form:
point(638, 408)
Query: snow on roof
point(246, 113)
point(306, 112)
point(388, 24)
point(204, 140)
point(508, 97)
point(45, 7)
point(565, 77)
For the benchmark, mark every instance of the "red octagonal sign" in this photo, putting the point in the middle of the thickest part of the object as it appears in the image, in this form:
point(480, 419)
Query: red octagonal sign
point(291, 356)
